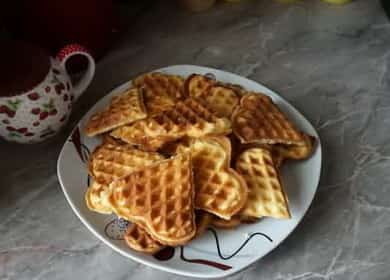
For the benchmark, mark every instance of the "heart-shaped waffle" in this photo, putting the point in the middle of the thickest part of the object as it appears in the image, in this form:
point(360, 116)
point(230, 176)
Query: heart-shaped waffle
point(187, 118)
point(161, 91)
point(196, 85)
point(139, 239)
point(219, 189)
point(266, 197)
point(298, 152)
point(123, 109)
point(161, 197)
point(259, 120)
point(111, 161)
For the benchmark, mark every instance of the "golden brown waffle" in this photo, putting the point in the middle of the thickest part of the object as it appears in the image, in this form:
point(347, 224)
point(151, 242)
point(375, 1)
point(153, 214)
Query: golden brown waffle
point(259, 120)
point(221, 100)
point(234, 222)
point(108, 139)
point(187, 118)
point(280, 152)
point(219, 189)
point(195, 85)
point(277, 157)
point(111, 161)
point(266, 196)
point(97, 198)
point(160, 91)
point(294, 151)
point(189, 121)
point(123, 109)
point(239, 90)
point(161, 197)
point(140, 240)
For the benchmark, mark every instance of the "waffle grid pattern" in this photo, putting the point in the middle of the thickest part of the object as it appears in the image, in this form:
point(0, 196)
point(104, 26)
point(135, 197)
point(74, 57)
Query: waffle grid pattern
point(160, 91)
point(125, 108)
point(139, 240)
point(161, 197)
point(258, 120)
point(187, 118)
point(219, 189)
point(266, 196)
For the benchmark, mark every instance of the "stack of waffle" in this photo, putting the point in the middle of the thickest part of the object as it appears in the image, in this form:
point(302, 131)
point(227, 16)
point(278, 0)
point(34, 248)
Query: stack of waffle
point(179, 155)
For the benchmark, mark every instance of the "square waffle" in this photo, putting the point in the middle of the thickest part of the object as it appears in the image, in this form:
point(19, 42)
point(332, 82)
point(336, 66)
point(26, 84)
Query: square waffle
point(161, 197)
point(161, 91)
point(187, 118)
point(123, 109)
point(266, 197)
point(259, 120)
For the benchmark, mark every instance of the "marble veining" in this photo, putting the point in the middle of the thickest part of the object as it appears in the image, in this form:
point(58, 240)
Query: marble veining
point(331, 62)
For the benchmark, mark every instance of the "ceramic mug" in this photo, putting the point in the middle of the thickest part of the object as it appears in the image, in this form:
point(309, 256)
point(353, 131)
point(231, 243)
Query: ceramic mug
point(36, 114)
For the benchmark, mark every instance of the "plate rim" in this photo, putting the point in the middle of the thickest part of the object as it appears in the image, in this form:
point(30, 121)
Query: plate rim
point(176, 271)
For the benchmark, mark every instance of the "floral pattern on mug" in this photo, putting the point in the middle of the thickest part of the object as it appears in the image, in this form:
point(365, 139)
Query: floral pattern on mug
point(39, 113)
point(29, 117)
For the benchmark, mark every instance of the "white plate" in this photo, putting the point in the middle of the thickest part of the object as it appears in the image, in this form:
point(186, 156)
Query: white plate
point(217, 253)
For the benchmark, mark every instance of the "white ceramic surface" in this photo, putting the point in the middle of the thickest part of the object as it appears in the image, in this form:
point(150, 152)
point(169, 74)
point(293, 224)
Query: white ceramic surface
point(217, 253)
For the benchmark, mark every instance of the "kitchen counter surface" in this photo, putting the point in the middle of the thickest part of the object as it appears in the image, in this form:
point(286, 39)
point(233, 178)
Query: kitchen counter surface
point(331, 62)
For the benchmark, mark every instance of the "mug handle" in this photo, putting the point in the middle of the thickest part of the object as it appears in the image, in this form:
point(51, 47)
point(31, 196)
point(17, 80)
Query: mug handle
point(74, 49)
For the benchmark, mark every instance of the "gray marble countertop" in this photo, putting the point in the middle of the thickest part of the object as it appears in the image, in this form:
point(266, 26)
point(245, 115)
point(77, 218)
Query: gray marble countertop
point(331, 62)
